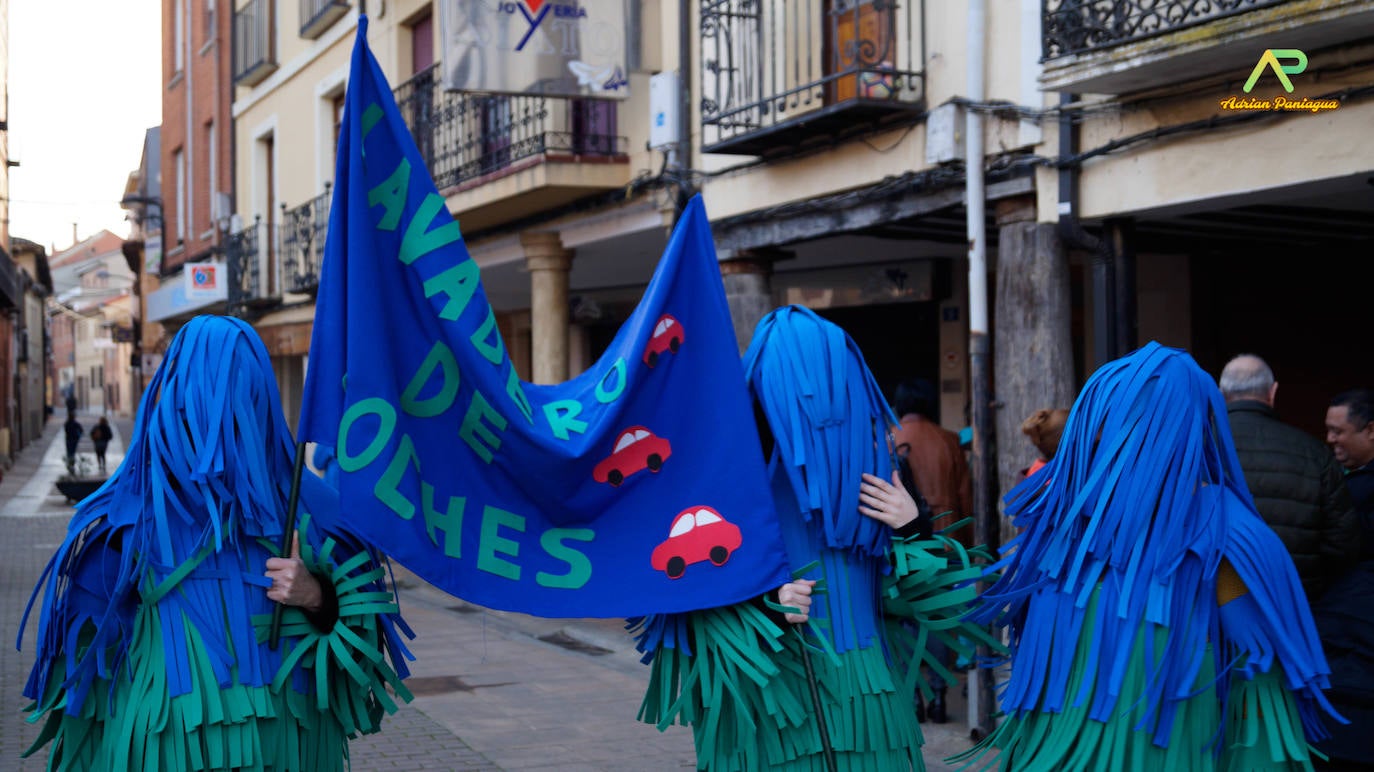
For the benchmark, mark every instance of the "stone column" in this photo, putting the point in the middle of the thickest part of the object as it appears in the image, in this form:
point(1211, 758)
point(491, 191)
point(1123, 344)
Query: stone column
point(1032, 342)
point(548, 263)
point(748, 275)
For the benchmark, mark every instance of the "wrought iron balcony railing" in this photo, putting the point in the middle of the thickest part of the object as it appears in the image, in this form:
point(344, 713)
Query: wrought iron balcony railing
point(243, 259)
point(466, 136)
point(1077, 26)
point(255, 55)
point(302, 242)
point(776, 73)
point(319, 15)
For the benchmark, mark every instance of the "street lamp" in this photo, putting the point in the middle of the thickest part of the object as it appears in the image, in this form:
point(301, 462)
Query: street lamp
point(131, 200)
point(134, 257)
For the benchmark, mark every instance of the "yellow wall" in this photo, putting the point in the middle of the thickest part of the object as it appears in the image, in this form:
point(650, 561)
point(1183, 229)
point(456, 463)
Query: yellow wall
point(292, 107)
point(1222, 162)
point(869, 160)
point(1280, 150)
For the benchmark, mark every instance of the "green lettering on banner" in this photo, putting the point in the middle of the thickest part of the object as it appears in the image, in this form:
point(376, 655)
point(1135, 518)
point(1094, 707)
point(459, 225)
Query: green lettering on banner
point(475, 433)
point(391, 193)
point(516, 391)
point(450, 521)
point(371, 116)
point(417, 241)
point(388, 487)
point(370, 406)
point(579, 565)
point(440, 357)
point(459, 283)
point(606, 397)
point(487, 339)
point(493, 543)
point(562, 416)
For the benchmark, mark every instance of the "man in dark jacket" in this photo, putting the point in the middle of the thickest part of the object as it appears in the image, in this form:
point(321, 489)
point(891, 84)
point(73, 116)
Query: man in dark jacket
point(1294, 478)
point(1344, 617)
point(1350, 433)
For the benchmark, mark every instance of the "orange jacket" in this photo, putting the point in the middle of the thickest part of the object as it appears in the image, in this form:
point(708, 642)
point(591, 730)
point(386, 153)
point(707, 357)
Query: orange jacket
point(940, 470)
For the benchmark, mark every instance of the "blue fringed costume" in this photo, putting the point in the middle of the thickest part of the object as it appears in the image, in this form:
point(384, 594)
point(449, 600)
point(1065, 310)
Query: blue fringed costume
point(1156, 622)
point(152, 648)
point(734, 674)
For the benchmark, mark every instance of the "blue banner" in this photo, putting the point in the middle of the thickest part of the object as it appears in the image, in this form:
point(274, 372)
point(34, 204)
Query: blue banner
point(637, 487)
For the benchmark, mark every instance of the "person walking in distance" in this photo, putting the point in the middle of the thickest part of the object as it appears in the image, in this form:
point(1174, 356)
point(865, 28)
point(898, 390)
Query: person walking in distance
point(100, 437)
point(73, 430)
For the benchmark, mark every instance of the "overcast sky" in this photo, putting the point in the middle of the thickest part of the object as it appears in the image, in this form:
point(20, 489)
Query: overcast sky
point(84, 87)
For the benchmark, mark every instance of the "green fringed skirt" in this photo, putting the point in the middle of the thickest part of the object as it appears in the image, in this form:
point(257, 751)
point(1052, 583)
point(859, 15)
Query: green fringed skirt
point(131, 721)
point(1262, 728)
point(746, 696)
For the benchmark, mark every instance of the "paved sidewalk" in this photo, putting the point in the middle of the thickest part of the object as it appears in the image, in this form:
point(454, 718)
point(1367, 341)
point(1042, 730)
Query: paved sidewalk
point(494, 690)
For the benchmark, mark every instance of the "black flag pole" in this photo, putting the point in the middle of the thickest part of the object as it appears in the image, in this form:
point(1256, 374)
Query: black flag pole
point(287, 531)
point(816, 703)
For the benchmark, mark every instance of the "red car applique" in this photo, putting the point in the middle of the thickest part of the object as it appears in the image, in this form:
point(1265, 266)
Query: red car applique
point(667, 337)
point(637, 448)
point(698, 534)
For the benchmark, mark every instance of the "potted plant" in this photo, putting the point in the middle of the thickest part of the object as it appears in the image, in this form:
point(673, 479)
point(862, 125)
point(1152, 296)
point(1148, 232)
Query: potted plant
point(80, 480)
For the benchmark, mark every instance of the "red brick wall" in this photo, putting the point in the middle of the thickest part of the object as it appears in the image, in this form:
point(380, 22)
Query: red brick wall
point(206, 72)
point(63, 355)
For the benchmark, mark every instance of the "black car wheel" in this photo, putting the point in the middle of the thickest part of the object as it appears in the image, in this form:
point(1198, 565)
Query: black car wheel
point(614, 477)
point(719, 555)
point(655, 462)
point(675, 567)
point(652, 359)
point(674, 345)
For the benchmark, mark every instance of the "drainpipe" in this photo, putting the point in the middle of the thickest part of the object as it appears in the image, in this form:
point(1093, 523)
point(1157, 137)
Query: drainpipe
point(684, 110)
point(1104, 265)
point(184, 213)
point(982, 700)
point(1121, 243)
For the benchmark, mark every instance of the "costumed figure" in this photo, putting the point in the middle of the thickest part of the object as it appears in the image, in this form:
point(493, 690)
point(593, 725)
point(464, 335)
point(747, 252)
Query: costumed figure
point(153, 648)
point(738, 675)
point(1156, 622)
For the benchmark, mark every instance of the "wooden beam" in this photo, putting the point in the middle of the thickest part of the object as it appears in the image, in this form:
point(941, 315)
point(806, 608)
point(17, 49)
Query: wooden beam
point(752, 230)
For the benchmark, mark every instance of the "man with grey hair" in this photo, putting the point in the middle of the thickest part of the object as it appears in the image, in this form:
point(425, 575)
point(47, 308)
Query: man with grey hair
point(1294, 478)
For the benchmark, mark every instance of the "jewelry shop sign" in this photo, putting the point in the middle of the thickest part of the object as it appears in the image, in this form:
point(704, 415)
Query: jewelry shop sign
point(570, 48)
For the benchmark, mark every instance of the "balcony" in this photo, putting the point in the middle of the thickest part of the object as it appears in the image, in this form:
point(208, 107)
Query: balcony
point(319, 15)
point(302, 243)
point(779, 75)
point(1124, 46)
point(503, 154)
point(255, 52)
point(249, 284)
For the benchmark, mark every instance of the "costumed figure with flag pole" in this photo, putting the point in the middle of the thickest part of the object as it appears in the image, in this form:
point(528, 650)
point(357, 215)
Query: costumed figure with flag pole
point(838, 693)
point(1157, 623)
point(153, 643)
